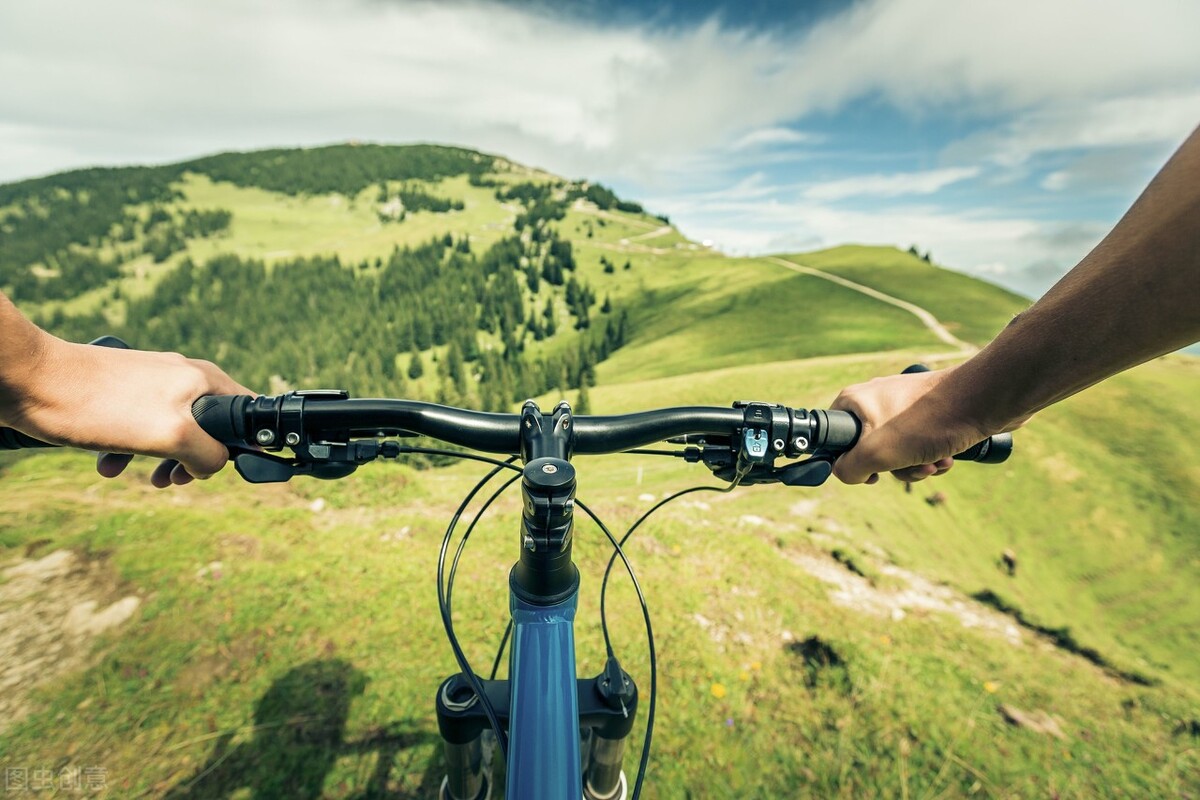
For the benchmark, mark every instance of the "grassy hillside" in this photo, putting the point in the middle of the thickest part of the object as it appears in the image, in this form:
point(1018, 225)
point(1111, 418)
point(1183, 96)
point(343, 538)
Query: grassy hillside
point(837, 642)
point(969, 308)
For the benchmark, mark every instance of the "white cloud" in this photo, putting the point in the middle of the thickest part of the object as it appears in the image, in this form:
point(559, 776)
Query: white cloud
point(766, 137)
point(1160, 118)
point(893, 185)
point(564, 93)
point(1023, 254)
point(676, 109)
point(1056, 181)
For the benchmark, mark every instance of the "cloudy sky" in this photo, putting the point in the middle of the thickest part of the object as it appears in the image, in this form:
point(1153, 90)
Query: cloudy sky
point(1005, 137)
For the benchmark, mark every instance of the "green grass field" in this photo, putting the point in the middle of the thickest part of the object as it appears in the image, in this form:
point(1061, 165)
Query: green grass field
point(347, 592)
point(811, 643)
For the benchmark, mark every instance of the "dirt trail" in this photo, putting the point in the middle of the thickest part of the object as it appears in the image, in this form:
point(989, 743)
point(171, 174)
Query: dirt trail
point(913, 594)
point(663, 231)
point(51, 609)
point(927, 319)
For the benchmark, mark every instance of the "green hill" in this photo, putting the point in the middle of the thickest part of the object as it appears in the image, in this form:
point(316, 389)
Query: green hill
point(843, 641)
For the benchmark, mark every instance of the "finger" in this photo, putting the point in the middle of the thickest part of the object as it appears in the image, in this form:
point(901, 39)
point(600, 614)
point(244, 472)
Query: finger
point(110, 465)
point(913, 474)
point(205, 457)
point(874, 479)
point(161, 477)
point(180, 476)
point(859, 464)
point(943, 465)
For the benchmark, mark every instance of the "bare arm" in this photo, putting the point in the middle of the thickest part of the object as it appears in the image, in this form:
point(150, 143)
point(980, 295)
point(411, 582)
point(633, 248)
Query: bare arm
point(1134, 297)
point(114, 401)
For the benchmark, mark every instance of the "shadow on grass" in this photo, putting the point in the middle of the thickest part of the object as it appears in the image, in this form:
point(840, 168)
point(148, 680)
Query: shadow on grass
point(1062, 638)
point(298, 734)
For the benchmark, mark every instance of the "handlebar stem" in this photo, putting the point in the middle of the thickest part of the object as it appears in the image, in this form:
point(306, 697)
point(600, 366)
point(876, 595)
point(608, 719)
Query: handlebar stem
point(545, 573)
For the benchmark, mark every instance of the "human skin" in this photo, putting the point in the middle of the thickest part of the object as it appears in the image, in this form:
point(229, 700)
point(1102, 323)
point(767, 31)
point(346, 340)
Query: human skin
point(116, 402)
point(1134, 297)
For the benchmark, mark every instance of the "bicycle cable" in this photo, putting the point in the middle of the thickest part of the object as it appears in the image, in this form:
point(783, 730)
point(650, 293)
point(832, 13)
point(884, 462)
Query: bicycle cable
point(467, 535)
point(500, 651)
point(445, 594)
point(444, 609)
point(645, 759)
point(612, 559)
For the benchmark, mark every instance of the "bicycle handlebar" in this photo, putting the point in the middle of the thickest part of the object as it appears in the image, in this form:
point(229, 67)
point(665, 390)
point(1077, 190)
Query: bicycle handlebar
point(242, 421)
point(239, 421)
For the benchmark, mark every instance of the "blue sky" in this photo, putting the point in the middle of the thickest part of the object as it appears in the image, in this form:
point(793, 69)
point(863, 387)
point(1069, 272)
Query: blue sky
point(1005, 138)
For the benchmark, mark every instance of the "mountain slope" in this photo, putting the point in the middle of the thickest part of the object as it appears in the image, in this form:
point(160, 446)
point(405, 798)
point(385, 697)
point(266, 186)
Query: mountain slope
point(843, 641)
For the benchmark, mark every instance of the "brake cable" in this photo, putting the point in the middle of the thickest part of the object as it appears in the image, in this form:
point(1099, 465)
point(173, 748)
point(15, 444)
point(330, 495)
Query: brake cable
point(645, 759)
point(608, 570)
point(443, 606)
point(653, 657)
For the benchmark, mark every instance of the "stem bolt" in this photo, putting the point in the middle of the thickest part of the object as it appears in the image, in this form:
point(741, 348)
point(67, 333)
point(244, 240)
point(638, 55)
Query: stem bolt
point(778, 444)
point(265, 436)
point(801, 443)
point(292, 439)
point(549, 469)
point(529, 543)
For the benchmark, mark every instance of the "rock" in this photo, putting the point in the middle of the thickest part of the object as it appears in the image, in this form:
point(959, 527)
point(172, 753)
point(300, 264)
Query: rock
point(804, 508)
point(55, 565)
point(317, 506)
point(1036, 721)
point(84, 619)
point(213, 569)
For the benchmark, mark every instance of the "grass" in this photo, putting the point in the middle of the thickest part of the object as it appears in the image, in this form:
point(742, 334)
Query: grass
point(225, 669)
point(971, 309)
point(694, 314)
point(307, 668)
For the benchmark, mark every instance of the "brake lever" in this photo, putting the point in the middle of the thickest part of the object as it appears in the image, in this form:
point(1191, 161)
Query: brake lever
point(256, 467)
point(809, 472)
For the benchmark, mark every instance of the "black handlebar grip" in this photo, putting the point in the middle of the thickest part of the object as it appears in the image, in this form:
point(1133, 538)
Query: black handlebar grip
point(837, 431)
point(223, 417)
point(992, 450)
point(11, 439)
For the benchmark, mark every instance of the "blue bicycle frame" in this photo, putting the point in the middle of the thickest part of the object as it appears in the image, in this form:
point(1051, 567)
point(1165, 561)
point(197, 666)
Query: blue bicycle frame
point(548, 710)
point(543, 720)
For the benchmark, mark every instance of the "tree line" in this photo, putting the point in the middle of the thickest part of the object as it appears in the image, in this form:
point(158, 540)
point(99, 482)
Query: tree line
point(372, 327)
point(44, 219)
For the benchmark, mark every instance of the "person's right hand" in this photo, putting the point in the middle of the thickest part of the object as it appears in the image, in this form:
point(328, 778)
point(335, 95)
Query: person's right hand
point(121, 403)
point(908, 428)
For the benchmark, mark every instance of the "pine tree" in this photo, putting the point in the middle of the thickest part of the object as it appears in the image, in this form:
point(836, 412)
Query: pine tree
point(453, 367)
point(583, 403)
point(415, 368)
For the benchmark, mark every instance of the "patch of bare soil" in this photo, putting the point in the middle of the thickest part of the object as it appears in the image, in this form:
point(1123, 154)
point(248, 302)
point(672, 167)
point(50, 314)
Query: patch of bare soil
point(51, 610)
point(912, 593)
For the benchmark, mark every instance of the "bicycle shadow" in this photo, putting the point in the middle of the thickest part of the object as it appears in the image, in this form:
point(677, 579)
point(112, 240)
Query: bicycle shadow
point(299, 733)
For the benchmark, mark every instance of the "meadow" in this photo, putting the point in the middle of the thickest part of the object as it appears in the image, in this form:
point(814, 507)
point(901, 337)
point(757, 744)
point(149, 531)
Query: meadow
point(834, 642)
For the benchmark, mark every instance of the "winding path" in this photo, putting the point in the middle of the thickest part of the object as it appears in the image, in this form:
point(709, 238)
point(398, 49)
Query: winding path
point(927, 319)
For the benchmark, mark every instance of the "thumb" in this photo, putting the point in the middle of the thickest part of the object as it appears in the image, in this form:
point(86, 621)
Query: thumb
point(200, 454)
